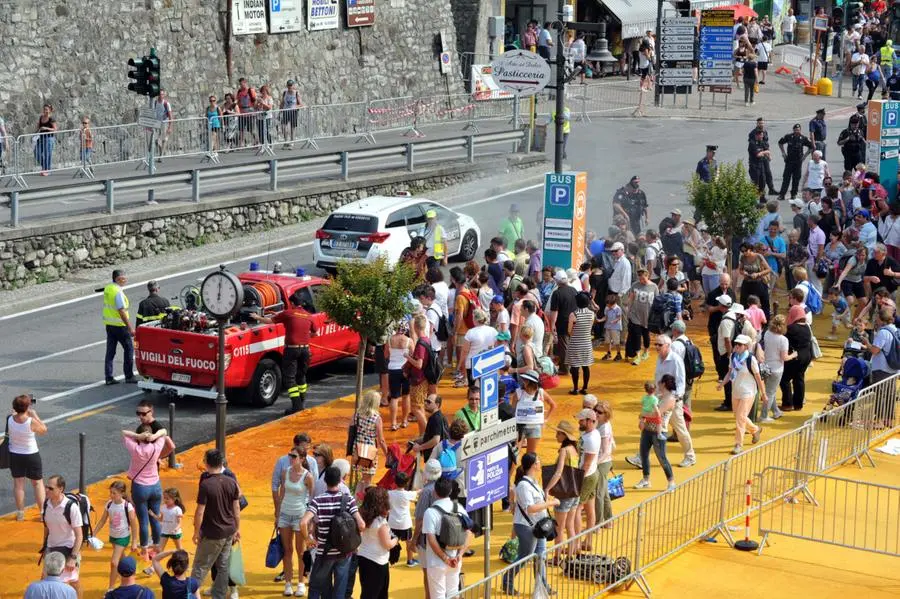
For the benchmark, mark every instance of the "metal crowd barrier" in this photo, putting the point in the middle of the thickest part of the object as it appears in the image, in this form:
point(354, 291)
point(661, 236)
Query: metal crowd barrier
point(837, 511)
point(704, 505)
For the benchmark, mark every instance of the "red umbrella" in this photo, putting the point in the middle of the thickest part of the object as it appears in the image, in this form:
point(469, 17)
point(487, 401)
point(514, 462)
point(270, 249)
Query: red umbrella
point(740, 10)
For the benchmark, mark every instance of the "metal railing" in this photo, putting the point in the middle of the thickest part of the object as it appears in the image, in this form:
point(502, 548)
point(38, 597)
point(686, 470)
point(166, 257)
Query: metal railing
point(704, 505)
point(271, 172)
point(837, 511)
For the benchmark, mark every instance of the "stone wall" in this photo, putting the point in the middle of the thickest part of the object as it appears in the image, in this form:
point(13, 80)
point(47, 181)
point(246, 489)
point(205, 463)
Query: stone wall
point(40, 254)
point(73, 54)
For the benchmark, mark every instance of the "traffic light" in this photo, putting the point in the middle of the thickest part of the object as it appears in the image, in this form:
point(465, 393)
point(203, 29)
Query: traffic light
point(146, 74)
point(853, 10)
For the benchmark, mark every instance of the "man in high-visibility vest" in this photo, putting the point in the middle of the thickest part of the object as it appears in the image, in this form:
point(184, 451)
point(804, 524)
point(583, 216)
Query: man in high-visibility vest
point(566, 126)
point(118, 328)
point(153, 307)
point(434, 238)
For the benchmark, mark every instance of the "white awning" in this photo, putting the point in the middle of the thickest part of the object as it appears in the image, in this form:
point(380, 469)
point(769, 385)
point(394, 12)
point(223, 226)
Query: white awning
point(636, 16)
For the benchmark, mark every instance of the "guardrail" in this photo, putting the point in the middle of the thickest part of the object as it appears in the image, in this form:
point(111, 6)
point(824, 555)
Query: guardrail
point(270, 171)
point(702, 506)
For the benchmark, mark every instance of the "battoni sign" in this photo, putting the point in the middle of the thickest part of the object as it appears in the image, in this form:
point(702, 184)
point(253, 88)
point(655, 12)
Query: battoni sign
point(520, 72)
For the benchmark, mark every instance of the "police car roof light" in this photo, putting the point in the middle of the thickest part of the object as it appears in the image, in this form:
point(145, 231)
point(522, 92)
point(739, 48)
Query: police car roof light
point(254, 266)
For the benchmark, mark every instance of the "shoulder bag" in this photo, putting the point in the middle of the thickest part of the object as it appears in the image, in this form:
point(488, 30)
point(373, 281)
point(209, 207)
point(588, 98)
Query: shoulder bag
point(569, 483)
point(545, 528)
point(4, 448)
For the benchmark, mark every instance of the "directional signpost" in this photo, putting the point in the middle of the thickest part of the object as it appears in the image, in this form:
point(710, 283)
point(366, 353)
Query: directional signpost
point(677, 55)
point(883, 142)
point(716, 54)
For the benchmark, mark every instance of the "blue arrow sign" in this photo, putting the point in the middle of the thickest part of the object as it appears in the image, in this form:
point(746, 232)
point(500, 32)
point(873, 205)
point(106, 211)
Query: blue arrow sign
point(489, 361)
point(487, 478)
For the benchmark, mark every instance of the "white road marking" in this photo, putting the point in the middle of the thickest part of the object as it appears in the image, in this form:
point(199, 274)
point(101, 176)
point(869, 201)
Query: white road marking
point(77, 390)
point(93, 406)
point(53, 355)
point(240, 259)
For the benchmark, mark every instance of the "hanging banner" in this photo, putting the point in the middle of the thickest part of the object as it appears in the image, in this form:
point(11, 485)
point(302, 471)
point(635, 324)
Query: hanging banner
point(360, 13)
point(285, 16)
point(322, 14)
point(248, 17)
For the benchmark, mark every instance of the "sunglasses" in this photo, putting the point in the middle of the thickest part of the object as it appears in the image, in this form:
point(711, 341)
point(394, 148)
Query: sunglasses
point(294, 455)
point(428, 402)
point(52, 488)
point(142, 413)
point(318, 455)
point(660, 345)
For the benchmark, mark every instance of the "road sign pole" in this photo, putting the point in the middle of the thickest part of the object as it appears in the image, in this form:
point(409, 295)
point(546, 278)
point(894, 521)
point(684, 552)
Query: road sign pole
point(487, 547)
point(151, 167)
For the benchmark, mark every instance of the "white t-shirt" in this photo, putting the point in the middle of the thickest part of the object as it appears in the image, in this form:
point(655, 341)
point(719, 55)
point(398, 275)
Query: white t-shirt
point(170, 516)
point(605, 430)
point(775, 345)
point(433, 316)
point(61, 533)
point(528, 493)
point(480, 338)
point(537, 325)
point(119, 528)
point(578, 50)
point(590, 443)
point(788, 24)
point(503, 318)
point(431, 524)
point(816, 174)
point(889, 228)
point(442, 296)
point(398, 517)
point(863, 65)
point(371, 547)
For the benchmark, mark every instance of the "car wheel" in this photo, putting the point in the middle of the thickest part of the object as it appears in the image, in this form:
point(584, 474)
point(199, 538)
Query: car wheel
point(469, 246)
point(266, 385)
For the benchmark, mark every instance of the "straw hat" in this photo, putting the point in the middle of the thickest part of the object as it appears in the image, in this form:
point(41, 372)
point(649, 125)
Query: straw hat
point(568, 429)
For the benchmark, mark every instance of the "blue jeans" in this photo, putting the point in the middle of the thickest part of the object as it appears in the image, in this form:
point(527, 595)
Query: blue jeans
point(328, 578)
point(43, 151)
point(528, 545)
point(144, 497)
point(118, 336)
point(648, 440)
point(859, 83)
point(710, 282)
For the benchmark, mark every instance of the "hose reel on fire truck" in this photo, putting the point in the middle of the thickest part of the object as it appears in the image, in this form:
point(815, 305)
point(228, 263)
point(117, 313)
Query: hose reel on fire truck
point(189, 297)
point(258, 297)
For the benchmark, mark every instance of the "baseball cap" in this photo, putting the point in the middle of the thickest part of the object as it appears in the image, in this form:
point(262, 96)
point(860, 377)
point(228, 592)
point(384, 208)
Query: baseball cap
point(432, 470)
point(617, 246)
point(725, 300)
point(822, 110)
point(560, 276)
point(861, 105)
point(863, 213)
point(513, 207)
point(290, 82)
point(497, 299)
point(796, 203)
point(676, 211)
point(431, 214)
point(586, 414)
point(127, 566)
point(742, 339)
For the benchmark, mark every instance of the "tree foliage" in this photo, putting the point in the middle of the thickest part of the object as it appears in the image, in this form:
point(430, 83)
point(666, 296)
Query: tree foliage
point(728, 204)
point(368, 297)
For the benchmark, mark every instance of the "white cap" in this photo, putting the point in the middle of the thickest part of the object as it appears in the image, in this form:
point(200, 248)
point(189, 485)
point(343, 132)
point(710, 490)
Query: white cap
point(743, 340)
point(725, 300)
point(676, 211)
point(617, 246)
point(572, 274)
point(797, 203)
point(432, 470)
point(737, 309)
point(560, 276)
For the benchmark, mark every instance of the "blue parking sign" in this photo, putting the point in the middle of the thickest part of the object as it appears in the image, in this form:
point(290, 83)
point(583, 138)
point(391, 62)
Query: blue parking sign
point(559, 194)
point(276, 5)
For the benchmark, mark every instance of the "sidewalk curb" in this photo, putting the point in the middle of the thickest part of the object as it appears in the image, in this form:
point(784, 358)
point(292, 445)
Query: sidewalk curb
point(224, 251)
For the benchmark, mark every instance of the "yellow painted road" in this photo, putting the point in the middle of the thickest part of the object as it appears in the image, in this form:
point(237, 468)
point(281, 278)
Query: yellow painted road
point(786, 569)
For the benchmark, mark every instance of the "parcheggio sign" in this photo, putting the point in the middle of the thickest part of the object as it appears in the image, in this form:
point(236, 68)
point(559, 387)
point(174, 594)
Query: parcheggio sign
point(520, 72)
point(248, 17)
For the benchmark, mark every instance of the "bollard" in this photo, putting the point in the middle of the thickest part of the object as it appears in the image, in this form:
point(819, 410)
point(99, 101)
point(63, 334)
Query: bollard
point(470, 148)
point(345, 166)
point(273, 175)
point(410, 157)
point(172, 463)
point(14, 209)
point(747, 544)
point(195, 186)
point(110, 195)
point(81, 441)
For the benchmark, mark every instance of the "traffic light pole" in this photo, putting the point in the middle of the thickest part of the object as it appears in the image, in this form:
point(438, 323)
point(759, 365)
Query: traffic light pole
point(151, 163)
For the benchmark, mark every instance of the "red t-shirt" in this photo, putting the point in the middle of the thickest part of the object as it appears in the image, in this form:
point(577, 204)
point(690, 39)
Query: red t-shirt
point(298, 326)
point(417, 375)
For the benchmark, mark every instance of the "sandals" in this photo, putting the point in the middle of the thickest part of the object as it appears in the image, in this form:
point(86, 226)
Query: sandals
point(395, 427)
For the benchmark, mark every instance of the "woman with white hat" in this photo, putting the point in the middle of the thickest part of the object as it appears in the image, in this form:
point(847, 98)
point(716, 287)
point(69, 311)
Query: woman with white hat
point(743, 374)
point(528, 403)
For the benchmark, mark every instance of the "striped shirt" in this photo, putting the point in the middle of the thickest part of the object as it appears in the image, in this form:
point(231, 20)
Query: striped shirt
point(323, 508)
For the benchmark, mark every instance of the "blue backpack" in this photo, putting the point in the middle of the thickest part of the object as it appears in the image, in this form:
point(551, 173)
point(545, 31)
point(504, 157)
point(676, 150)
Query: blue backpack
point(813, 298)
point(447, 458)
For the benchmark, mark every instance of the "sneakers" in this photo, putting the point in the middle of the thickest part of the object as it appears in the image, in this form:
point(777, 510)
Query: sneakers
point(776, 414)
point(636, 361)
point(736, 450)
point(288, 590)
point(722, 408)
point(645, 355)
point(301, 590)
point(232, 593)
point(755, 438)
point(634, 460)
point(279, 578)
point(687, 462)
point(642, 484)
point(670, 487)
point(412, 563)
point(768, 419)
point(618, 357)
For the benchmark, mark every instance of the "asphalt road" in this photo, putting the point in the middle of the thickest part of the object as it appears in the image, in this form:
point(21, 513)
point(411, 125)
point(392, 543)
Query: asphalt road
point(57, 352)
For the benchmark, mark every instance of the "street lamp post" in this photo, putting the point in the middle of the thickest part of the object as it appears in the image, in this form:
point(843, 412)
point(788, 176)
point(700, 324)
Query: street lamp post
point(559, 147)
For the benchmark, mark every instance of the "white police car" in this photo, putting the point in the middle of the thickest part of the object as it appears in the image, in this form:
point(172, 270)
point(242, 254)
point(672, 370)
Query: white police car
point(383, 226)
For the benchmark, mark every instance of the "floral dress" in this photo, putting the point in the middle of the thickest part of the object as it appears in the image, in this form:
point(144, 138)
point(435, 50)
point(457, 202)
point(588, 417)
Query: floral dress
point(366, 430)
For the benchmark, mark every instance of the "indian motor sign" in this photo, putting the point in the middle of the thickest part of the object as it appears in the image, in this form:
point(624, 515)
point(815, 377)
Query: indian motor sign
point(360, 13)
point(520, 72)
point(322, 14)
point(248, 17)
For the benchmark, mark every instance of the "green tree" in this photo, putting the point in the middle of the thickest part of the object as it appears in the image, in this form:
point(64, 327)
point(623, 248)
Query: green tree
point(728, 204)
point(368, 298)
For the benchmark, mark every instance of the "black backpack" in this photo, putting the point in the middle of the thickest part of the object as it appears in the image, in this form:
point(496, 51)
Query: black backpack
point(661, 318)
point(443, 330)
point(343, 533)
point(84, 506)
point(693, 361)
point(432, 367)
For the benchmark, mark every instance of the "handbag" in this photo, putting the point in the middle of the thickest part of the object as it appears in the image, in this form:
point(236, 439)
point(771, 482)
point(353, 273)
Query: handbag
point(351, 436)
point(4, 448)
point(615, 484)
point(236, 565)
point(570, 481)
point(814, 345)
point(365, 454)
point(275, 550)
point(545, 528)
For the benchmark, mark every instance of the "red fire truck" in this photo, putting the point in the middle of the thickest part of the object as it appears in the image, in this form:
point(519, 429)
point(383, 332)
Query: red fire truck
point(178, 354)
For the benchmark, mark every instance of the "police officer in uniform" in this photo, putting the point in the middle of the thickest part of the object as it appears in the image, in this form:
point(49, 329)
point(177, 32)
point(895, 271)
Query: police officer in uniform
point(759, 157)
point(435, 246)
point(118, 328)
point(760, 126)
point(707, 167)
point(798, 148)
point(863, 119)
point(299, 329)
point(153, 307)
point(818, 131)
point(852, 144)
point(630, 201)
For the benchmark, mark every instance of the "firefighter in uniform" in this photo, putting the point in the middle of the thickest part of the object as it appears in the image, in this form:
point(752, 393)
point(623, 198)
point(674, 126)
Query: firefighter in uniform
point(434, 238)
point(706, 168)
point(118, 328)
point(798, 148)
point(153, 307)
point(299, 329)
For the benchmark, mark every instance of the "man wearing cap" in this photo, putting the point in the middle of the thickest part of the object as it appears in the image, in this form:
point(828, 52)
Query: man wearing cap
point(620, 278)
point(852, 142)
point(758, 157)
point(868, 233)
point(512, 228)
point(434, 238)
point(587, 462)
point(818, 131)
point(708, 167)
point(153, 307)
point(862, 117)
point(798, 147)
point(630, 201)
point(671, 361)
point(670, 234)
point(129, 589)
point(816, 171)
point(562, 304)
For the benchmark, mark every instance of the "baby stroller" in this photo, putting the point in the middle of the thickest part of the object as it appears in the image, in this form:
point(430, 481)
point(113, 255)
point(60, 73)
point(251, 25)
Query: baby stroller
point(397, 461)
point(854, 373)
